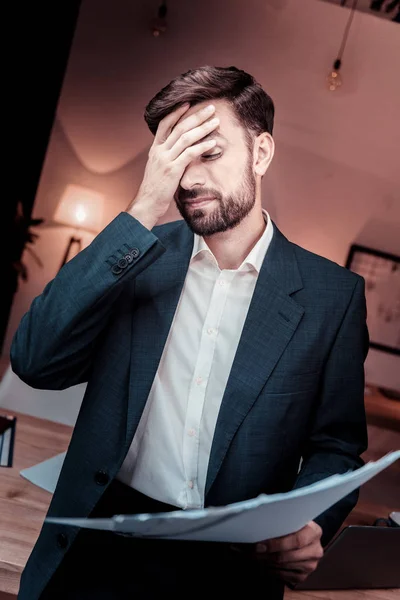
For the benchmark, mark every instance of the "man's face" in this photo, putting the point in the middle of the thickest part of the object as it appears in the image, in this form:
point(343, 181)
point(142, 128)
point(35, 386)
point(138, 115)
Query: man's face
point(223, 174)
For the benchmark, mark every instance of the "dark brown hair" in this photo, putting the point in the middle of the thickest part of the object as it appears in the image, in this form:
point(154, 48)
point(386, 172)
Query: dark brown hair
point(252, 106)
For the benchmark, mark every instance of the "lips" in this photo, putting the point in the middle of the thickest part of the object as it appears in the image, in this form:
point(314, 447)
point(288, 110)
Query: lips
point(199, 201)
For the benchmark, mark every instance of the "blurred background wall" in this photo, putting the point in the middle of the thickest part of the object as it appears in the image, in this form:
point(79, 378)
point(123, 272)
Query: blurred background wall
point(335, 178)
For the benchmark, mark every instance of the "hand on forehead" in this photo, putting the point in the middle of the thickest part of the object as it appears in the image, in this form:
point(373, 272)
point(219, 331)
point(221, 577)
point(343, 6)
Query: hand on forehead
point(228, 130)
point(219, 109)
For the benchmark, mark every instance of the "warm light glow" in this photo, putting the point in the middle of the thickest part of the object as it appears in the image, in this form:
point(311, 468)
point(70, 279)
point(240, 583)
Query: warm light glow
point(80, 213)
point(80, 207)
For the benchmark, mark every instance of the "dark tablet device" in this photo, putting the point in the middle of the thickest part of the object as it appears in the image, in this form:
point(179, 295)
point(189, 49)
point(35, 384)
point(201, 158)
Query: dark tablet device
point(361, 556)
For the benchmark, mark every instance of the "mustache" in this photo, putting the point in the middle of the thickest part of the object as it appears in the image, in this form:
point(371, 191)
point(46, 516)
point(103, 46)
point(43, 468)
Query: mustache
point(185, 195)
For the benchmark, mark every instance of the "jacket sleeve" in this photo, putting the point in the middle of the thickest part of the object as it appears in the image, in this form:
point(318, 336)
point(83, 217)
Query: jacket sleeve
point(54, 342)
point(339, 432)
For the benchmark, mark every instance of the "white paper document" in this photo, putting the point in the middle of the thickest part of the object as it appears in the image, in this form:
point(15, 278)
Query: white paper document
point(46, 473)
point(250, 521)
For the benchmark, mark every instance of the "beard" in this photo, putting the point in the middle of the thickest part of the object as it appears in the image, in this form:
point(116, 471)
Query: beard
point(229, 212)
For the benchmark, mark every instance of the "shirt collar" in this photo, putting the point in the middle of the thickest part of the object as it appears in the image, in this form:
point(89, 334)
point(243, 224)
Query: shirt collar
point(255, 257)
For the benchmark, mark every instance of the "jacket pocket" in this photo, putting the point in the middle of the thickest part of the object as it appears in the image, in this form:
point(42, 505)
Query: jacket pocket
point(283, 383)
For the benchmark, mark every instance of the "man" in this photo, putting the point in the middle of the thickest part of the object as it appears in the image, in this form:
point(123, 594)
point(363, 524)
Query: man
point(219, 357)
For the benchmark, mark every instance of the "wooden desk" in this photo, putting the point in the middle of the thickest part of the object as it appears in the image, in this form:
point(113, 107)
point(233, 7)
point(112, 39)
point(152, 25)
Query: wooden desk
point(343, 595)
point(23, 507)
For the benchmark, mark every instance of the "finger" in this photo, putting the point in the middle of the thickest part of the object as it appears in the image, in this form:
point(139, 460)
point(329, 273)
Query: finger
point(304, 566)
point(299, 539)
point(317, 528)
point(191, 137)
point(193, 152)
point(195, 120)
point(290, 577)
point(313, 551)
point(167, 123)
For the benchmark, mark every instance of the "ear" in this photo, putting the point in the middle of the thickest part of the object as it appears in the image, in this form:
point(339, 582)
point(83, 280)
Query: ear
point(264, 148)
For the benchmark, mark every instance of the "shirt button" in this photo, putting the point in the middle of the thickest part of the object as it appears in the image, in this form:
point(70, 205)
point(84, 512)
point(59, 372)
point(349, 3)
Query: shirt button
point(210, 331)
point(191, 432)
point(221, 282)
point(199, 380)
point(190, 484)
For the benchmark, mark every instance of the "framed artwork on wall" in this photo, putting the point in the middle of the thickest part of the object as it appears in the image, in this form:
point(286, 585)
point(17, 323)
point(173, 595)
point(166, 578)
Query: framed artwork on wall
point(383, 9)
point(381, 272)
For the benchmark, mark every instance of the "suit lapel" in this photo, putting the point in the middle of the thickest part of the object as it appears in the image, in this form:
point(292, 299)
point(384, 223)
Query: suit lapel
point(271, 321)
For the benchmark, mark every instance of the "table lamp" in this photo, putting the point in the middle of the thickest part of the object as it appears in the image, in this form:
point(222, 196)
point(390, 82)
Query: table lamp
point(82, 209)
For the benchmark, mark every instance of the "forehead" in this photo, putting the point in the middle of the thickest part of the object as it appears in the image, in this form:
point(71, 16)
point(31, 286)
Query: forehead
point(228, 123)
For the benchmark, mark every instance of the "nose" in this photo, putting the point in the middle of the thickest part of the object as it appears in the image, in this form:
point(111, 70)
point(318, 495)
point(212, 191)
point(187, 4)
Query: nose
point(193, 176)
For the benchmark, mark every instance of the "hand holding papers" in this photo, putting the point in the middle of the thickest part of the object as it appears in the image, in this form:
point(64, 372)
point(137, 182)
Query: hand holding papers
point(250, 521)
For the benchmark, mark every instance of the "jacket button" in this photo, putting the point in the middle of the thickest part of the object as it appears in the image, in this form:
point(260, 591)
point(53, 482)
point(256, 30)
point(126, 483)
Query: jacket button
point(62, 541)
point(101, 478)
point(135, 252)
point(122, 263)
point(116, 270)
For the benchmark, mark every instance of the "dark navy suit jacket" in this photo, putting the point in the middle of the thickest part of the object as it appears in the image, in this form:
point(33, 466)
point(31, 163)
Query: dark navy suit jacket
point(295, 390)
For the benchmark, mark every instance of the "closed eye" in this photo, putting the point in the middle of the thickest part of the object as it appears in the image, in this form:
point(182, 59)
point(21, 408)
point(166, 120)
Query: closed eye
point(211, 156)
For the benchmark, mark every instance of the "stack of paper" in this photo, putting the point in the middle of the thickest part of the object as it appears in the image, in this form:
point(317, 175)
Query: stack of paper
point(264, 517)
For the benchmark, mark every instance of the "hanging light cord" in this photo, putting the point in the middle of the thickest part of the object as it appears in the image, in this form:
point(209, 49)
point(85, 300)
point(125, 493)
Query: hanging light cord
point(162, 10)
point(346, 32)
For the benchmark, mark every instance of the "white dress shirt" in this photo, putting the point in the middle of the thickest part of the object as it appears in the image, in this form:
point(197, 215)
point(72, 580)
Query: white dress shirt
point(169, 455)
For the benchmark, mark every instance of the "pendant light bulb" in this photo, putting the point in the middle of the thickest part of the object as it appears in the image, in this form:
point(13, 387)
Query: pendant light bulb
point(334, 77)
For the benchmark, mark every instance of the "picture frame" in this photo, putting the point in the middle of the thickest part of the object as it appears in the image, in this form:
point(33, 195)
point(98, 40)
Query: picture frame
point(381, 271)
point(382, 9)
